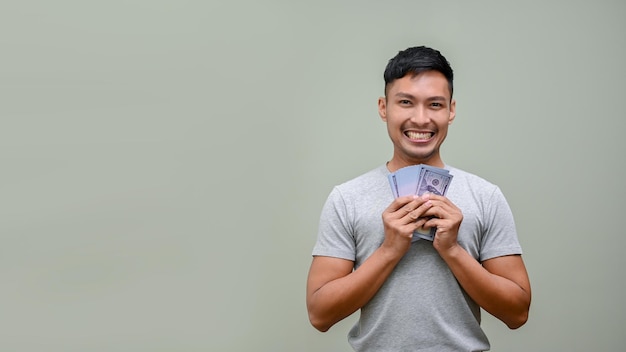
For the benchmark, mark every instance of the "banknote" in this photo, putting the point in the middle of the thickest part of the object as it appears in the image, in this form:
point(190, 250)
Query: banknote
point(433, 181)
point(404, 180)
point(417, 180)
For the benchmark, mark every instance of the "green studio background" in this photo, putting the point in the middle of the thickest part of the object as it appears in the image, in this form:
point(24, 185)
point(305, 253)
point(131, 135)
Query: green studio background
point(164, 163)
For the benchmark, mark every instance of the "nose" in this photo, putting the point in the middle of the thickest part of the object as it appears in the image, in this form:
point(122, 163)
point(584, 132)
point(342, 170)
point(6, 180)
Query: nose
point(420, 116)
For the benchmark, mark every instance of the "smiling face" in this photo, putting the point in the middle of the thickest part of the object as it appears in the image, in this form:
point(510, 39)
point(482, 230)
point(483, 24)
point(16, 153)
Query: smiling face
point(417, 110)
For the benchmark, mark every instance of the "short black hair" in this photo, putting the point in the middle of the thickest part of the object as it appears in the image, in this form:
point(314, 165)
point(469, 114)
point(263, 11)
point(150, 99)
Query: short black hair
point(416, 60)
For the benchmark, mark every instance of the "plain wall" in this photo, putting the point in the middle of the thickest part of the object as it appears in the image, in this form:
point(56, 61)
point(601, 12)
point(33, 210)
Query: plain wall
point(164, 163)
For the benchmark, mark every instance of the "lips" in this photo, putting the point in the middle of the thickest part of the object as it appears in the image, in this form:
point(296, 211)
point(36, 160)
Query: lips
point(419, 136)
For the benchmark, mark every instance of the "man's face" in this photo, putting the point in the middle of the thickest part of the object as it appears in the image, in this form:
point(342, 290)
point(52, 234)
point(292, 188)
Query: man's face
point(417, 110)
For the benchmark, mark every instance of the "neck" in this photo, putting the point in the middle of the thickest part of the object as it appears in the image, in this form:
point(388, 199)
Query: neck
point(396, 163)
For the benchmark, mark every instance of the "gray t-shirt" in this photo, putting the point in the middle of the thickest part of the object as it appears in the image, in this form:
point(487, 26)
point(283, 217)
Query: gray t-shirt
point(421, 306)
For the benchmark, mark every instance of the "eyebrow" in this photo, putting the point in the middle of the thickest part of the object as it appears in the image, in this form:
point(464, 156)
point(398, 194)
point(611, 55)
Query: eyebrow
point(410, 96)
point(404, 95)
point(437, 97)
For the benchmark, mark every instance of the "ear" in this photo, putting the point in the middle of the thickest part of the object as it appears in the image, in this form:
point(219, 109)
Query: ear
point(382, 108)
point(452, 111)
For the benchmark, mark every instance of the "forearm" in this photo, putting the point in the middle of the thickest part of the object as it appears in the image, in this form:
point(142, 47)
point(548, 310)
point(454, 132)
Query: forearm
point(502, 297)
point(343, 296)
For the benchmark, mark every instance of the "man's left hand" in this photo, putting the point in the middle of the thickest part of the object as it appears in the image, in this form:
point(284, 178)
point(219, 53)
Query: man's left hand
point(446, 218)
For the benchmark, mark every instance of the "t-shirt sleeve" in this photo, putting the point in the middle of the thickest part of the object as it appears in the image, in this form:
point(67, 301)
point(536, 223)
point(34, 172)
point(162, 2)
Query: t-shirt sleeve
point(500, 234)
point(335, 235)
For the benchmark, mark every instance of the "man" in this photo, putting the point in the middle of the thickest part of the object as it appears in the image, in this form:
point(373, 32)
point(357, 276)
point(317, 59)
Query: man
point(417, 295)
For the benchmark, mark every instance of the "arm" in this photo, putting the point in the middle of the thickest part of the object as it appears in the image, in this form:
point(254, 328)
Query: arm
point(500, 285)
point(334, 290)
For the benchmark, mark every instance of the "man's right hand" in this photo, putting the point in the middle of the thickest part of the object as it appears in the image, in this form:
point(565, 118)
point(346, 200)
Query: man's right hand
point(401, 218)
point(335, 290)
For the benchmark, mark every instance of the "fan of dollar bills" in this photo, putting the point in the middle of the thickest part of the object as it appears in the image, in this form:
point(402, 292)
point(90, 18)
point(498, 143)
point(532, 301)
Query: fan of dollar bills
point(417, 180)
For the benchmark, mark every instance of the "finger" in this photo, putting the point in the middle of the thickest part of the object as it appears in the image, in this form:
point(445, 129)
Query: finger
point(413, 215)
point(419, 223)
point(441, 208)
point(407, 209)
point(435, 197)
point(418, 212)
point(399, 203)
point(431, 222)
point(436, 211)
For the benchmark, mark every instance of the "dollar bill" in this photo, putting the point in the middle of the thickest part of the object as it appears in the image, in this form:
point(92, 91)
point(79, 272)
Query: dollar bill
point(433, 181)
point(420, 179)
point(404, 180)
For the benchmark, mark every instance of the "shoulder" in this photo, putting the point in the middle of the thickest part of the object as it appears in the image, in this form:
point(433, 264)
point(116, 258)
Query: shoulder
point(471, 181)
point(370, 187)
point(374, 178)
point(374, 175)
point(467, 176)
point(471, 188)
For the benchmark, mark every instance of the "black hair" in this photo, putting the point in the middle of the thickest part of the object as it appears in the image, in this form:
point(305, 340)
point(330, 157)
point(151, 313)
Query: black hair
point(416, 60)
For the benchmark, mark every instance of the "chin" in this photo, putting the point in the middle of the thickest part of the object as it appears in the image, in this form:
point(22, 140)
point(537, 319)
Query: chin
point(423, 158)
point(421, 154)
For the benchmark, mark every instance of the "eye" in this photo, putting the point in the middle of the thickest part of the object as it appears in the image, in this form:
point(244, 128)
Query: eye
point(436, 105)
point(405, 102)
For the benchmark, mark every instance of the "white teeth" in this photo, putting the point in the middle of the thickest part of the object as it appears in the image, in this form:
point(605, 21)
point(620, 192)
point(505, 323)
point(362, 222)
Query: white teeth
point(418, 135)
